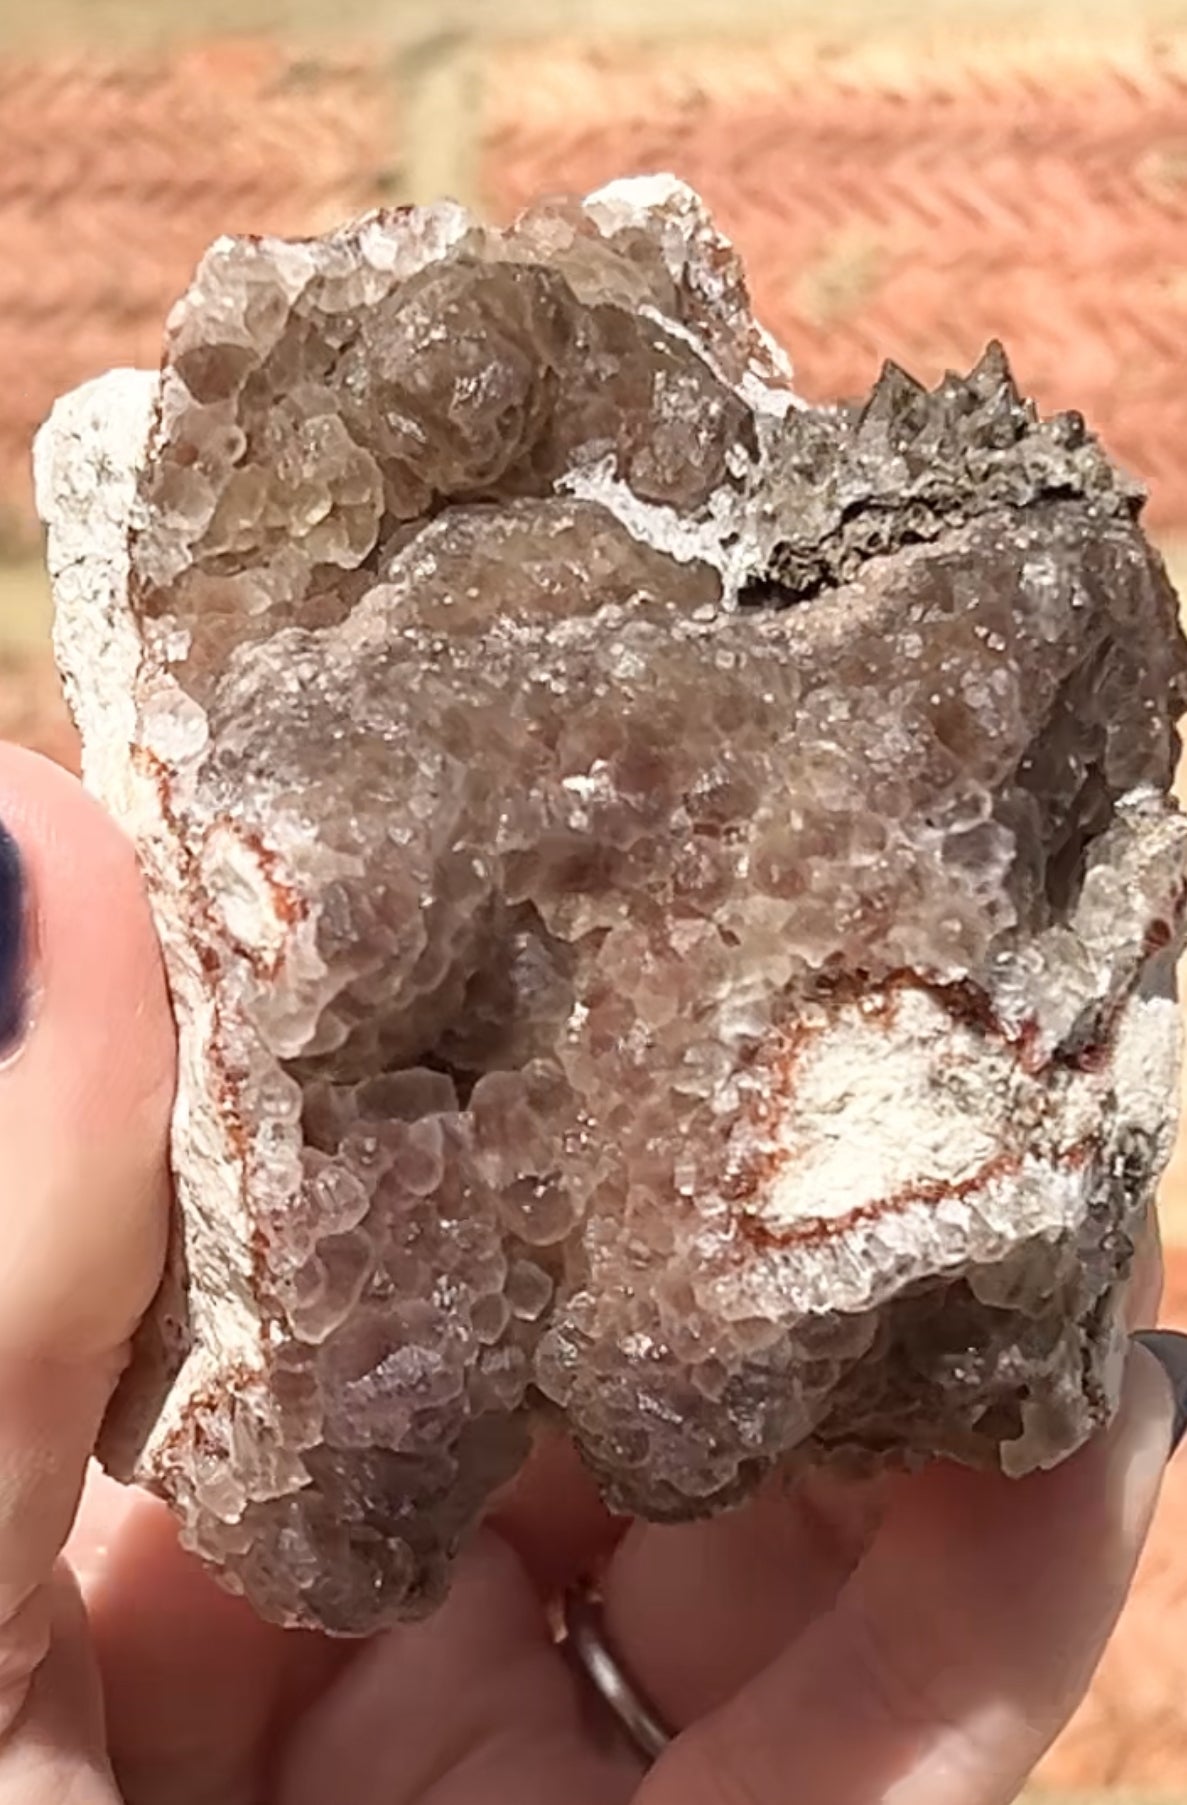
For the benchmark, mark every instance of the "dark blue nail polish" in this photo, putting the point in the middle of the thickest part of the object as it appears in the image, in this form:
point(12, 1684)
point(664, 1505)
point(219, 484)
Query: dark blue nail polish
point(12, 941)
point(1169, 1348)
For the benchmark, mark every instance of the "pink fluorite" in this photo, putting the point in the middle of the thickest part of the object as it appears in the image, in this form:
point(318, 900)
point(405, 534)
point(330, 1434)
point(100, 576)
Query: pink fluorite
point(671, 895)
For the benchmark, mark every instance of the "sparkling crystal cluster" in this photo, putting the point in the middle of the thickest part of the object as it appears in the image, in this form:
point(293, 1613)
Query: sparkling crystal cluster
point(671, 895)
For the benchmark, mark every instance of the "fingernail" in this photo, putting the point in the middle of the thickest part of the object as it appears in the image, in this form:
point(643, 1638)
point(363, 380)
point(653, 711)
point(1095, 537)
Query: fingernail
point(12, 941)
point(1169, 1348)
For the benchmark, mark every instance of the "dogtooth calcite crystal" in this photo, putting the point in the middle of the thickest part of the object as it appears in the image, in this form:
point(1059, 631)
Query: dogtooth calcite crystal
point(670, 895)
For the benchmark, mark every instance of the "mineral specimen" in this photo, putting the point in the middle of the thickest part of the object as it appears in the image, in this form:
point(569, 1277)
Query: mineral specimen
point(671, 895)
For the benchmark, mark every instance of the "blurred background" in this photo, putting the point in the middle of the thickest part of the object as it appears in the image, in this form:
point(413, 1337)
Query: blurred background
point(904, 179)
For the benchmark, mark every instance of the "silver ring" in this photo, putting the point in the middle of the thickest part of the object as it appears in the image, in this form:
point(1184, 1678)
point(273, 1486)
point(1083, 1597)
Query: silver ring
point(584, 1635)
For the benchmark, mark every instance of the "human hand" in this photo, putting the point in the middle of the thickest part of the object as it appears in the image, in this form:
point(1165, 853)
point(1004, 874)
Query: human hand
point(911, 1642)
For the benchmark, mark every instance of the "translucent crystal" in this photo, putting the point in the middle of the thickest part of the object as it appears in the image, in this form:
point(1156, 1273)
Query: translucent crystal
point(671, 895)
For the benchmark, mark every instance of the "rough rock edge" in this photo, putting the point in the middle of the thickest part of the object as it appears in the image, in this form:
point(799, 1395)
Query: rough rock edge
point(86, 461)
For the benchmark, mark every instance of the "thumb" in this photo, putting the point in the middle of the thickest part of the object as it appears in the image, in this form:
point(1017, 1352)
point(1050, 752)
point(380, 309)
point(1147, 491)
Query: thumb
point(86, 1077)
point(86, 1072)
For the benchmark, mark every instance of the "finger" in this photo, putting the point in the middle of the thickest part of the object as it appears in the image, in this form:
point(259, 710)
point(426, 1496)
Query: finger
point(961, 1644)
point(553, 1517)
point(83, 1119)
point(197, 1689)
point(84, 1100)
point(1145, 1286)
point(84, 1103)
point(54, 1753)
point(699, 1610)
point(474, 1707)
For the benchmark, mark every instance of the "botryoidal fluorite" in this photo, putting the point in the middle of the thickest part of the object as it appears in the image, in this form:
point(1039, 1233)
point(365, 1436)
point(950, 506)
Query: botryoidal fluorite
point(671, 895)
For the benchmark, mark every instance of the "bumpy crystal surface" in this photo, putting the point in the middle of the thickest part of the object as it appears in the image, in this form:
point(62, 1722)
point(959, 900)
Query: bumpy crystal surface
point(671, 895)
